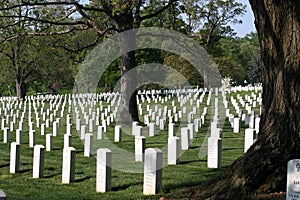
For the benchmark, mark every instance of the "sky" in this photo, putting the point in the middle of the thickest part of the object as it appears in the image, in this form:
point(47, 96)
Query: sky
point(248, 21)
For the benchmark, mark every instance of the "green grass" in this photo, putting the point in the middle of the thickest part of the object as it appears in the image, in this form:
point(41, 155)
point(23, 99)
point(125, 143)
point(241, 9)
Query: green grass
point(190, 171)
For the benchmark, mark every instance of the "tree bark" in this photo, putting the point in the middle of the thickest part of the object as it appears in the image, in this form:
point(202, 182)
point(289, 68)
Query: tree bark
point(128, 106)
point(21, 89)
point(263, 168)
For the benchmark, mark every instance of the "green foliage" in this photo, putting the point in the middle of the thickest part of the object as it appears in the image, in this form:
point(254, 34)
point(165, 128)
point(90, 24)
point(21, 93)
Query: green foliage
point(184, 68)
point(7, 81)
point(230, 68)
point(211, 18)
point(250, 50)
point(237, 58)
point(110, 77)
point(30, 57)
point(149, 56)
point(55, 65)
point(171, 18)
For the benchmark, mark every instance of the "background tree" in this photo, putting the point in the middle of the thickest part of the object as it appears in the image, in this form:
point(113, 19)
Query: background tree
point(35, 64)
point(22, 49)
point(7, 80)
point(19, 56)
point(106, 18)
point(238, 58)
point(210, 19)
point(184, 68)
point(56, 68)
point(12, 41)
point(110, 77)
point(250, 48)
point(171, 18)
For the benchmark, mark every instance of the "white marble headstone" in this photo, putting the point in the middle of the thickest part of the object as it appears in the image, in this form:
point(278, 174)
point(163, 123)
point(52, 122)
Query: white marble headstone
point(31, 138)
point(133, 127)
point(103, 174)
point(151, 129)
point(173, 150)
point(250, 135)
point(14, 157)
point(88, 144)
point(152, 171)
point(100, 132)
point(171, 130)
point(118, 133)
point(68, 165)
point(43, 129)
point(5, 135)
point(293, 180)
point(38, 161)
point(185, 138)
point(191, 128)
point(236, 125)
point(214, 152)
point(67, 140)
point(140, 146)
point(18, 136)
point(48, 142)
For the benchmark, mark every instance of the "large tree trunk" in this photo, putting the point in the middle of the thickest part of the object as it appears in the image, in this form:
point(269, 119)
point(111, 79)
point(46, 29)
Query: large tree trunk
point(128, 106)
point(21, 89)
point(263, 168)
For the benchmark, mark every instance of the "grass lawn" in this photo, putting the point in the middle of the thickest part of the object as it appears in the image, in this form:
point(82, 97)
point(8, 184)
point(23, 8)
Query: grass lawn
point(191, 170)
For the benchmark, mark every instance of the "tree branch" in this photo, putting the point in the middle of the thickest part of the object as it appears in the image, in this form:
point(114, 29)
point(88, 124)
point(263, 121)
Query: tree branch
point(158, 12)
point(81, 48)
point(90, 22)
point(82, 8)
point(67, 31)
point(45, 20)
point(5, 54)
point(24, 4)
point(53, 3)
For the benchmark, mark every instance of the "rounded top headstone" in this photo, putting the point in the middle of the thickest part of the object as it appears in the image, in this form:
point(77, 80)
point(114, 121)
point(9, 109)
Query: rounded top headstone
point(2, 195)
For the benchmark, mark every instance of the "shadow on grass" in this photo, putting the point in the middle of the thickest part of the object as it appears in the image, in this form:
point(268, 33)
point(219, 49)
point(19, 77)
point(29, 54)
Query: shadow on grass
point(124, 187)
point(191, 161)
point(156, 142)
point(24, 171)
point(224, 149)
point(211, 174)
point(127, 141)
point(82, 179)
point(52, 175)
point(194, 147)
point(228, 137)
point(56, 149)
point(167, 188)
point(50, 168)
point(5, 165)
point(25, 143)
